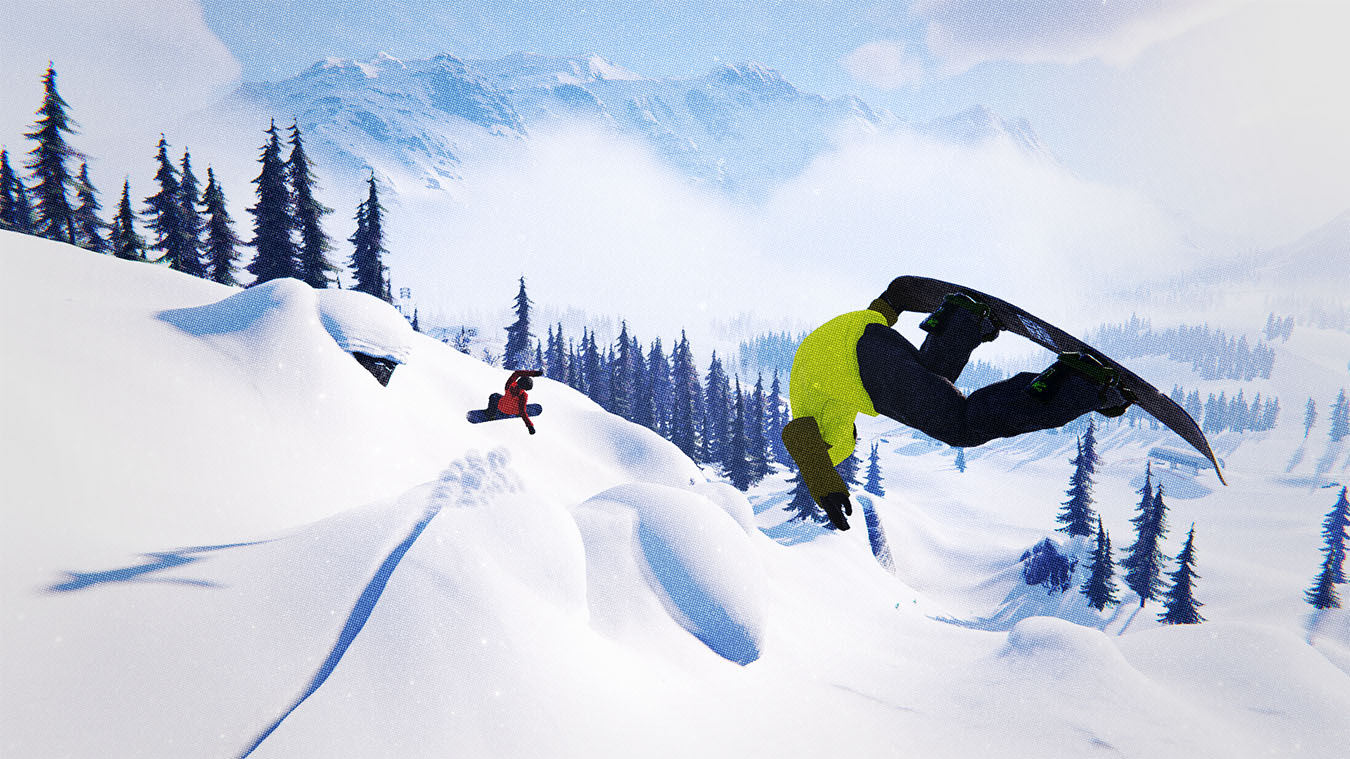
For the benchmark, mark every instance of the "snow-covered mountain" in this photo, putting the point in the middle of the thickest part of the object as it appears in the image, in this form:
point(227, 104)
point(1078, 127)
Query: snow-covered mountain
point(223, 537)
point(741, 128)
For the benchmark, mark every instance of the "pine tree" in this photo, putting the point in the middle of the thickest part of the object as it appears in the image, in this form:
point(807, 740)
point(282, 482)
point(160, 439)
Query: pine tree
point(1335, 531)
point(53, 216)
point(961, 460)
point(272, 220)
point(16, 214)
point(873, 485)
point(1340, 419)
point(603, 388)
point(848, 469)
point(221, 242)
point(1100, 588)
point(1182, 608)
point(779, 416)
point(736, 462)
point(1144, 561)
point(1089, 452)
point(716, 432)
point(190, 196)
point(518, 354)
point(313, 266)
point(367, 261)
point(164, 210)
point(621, 384)
point(89, 228)
point(802, 507)
point(685, 410)
point(126, 241)
point(1309, 417)
point(662, 390)
point(756, 439)
point(1077, 515)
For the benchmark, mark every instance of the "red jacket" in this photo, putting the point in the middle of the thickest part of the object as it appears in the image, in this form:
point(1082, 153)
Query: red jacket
point(515, 401)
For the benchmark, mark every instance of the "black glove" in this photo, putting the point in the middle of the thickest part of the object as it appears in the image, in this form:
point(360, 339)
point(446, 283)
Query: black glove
point(531, 429)
point(837, 506)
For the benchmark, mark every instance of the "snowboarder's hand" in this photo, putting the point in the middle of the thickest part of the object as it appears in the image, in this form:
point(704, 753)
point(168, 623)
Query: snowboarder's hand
point(531, 427)
point(837, 506)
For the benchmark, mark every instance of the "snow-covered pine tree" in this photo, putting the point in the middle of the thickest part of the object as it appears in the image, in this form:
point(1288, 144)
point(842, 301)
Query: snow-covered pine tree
point(718, 407)
point(622, 375)
point(222, 245)
point(873, 484)
point(554, 368)
point(53, 216)
point(367, 260)
point(685, 409)
point(779, 416)
point(1181, 606)
point(802, 507)
point(1335, 533)
point(1144, 560)
point(1089, 453)
point(89, 228)
point(1309, 417)
point(127, 243)
point(189, 197)
point(518, 354)
point(275, 252)
point(16, 214)
point(312, 264)
point(848, 469)
point(164, 213)
point(575, 379)
point(638, 383)
point(604, 379)
point(1100, 587)
point(756, 438)
point(658, 379)
point(736, 461)
point(1340, 419)
point(1077, 515)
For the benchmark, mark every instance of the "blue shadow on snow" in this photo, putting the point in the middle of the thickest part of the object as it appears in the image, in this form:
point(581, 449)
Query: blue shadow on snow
point(158, 562)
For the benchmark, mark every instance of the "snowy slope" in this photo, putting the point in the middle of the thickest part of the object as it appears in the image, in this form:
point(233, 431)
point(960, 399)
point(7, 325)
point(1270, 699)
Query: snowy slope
point(233, 541)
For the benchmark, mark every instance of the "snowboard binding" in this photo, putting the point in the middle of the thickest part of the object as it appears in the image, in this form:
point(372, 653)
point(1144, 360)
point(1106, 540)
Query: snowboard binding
point(952, 305)
point(1115, 397)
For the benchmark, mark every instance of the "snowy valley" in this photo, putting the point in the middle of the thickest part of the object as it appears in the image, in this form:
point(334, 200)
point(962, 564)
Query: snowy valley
point(223, 537)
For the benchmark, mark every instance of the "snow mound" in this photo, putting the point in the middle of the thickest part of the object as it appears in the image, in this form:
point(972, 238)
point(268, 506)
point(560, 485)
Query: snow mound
point(656, 553)
point(362, 323)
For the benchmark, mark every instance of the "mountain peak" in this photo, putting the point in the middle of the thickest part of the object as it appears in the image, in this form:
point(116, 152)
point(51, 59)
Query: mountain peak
point(755, 77)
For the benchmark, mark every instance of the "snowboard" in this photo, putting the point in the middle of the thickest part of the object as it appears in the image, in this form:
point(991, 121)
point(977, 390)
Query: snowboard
point(923, 294)
point(479, 415)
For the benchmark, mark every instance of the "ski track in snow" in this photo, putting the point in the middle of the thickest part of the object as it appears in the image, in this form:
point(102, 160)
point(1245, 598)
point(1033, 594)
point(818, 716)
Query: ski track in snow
point(468, 482)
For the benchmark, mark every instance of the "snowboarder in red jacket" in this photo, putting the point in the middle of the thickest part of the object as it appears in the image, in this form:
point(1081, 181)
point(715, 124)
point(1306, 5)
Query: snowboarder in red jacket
point(515, 402)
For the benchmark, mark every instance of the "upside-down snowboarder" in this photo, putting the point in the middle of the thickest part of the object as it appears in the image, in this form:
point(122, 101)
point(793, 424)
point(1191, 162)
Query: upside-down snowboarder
point(856, 363)
point(514, 402)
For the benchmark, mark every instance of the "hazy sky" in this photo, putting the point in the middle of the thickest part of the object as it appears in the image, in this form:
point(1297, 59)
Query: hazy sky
point(1229, 112)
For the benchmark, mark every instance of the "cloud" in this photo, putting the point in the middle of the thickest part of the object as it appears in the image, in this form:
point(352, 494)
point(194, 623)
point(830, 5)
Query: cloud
point(599, 223)
point(125, 67)
point(966, 33)
point(883, 65)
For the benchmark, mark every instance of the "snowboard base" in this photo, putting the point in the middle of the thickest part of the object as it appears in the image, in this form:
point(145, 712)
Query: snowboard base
point(478, 415)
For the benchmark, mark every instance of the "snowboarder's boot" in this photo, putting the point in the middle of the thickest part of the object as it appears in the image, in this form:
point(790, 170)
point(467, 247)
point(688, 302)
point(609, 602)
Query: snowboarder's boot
point(1114, 398)
point(837, 506)
point(938, 321)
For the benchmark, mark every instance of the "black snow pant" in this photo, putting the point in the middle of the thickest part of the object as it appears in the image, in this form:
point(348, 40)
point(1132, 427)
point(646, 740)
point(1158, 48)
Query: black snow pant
point(915, 387)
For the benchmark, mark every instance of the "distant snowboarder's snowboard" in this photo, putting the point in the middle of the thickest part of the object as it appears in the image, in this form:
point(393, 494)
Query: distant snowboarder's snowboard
point(479, 415)
point(925, 295)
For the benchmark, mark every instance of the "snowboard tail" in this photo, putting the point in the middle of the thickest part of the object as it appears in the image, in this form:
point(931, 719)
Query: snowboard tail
point(478, 415)
point(923, 294)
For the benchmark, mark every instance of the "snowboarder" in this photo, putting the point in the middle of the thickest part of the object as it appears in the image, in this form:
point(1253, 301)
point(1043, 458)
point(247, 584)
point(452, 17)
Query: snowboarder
point(515, 402)
point(855, 363)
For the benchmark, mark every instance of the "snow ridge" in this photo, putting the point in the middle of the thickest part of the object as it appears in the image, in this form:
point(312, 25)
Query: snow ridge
point(466, 482)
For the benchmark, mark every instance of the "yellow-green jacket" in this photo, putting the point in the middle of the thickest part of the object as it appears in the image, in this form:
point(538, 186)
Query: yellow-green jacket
point(827, 394)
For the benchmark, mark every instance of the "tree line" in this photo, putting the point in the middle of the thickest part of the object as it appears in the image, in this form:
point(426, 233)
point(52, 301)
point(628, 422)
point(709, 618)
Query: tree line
point(189, 225)
point(1211, 353)
point(712, 416)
